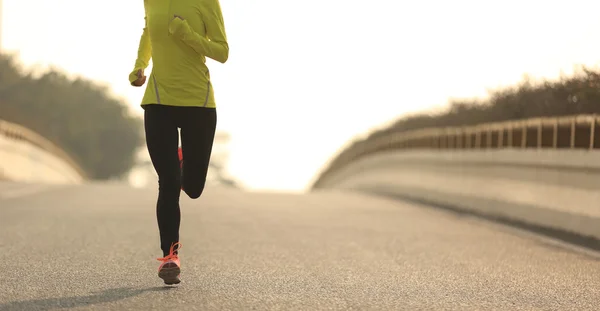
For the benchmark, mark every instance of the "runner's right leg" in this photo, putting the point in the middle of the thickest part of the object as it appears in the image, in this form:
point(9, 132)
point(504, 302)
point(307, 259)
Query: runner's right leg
point(162, 139)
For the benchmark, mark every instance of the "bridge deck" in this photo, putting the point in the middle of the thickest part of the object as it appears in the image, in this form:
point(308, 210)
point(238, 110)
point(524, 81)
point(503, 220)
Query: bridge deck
point(94, 247)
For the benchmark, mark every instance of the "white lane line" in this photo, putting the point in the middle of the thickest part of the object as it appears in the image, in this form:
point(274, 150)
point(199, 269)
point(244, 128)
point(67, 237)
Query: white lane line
point(22, 191)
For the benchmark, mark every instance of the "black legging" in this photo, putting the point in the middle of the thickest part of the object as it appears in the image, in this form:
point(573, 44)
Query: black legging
point(197, 126)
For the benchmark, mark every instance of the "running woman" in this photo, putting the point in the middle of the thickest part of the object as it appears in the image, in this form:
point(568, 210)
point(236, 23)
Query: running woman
point(178, 36)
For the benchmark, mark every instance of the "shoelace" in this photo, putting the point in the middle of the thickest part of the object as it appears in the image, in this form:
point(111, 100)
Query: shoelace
point(172, 255)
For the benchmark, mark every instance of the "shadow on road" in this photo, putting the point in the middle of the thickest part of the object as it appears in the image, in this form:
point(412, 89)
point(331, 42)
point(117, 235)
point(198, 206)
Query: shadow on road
point(110, 295)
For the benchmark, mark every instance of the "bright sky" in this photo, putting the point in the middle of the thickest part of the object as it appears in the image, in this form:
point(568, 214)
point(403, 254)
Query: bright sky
point(305, 77)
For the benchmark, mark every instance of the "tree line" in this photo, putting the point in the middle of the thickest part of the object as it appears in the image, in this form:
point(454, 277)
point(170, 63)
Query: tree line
point(575, 94)
point(78, 115)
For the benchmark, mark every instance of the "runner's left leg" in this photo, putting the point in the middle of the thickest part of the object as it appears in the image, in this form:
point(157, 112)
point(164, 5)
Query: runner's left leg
point(197, 137)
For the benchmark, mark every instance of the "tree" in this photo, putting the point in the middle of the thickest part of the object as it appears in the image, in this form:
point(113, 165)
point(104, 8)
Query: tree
point(76, 114)
point(578, 94)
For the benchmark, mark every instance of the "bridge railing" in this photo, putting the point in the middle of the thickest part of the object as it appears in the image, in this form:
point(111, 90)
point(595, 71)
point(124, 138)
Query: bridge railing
point(23, 149)
point(541, 173)
point(565, 132)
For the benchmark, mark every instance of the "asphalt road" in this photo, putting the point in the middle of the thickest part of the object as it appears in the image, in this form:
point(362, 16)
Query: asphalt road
point(93, 247)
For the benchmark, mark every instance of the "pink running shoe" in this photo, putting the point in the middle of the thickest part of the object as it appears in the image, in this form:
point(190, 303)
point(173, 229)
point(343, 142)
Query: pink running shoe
point(171, 267)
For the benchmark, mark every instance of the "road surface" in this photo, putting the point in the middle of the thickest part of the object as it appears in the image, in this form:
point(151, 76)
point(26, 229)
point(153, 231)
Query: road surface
point(93, 247)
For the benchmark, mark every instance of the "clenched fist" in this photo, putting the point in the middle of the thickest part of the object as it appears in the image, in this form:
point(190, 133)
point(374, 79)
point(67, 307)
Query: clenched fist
point(141, 78)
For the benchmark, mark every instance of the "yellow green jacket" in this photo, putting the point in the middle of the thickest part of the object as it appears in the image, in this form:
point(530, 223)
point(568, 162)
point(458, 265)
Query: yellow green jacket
point(178, 49)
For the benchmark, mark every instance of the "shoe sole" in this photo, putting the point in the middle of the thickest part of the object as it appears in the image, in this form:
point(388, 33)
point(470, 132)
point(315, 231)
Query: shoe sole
point(170, 274)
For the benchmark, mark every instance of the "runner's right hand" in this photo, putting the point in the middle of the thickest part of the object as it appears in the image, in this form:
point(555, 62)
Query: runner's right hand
point(141, 78)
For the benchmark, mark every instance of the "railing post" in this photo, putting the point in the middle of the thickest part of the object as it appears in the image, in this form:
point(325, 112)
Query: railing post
point(592, 132)
point(572, 133)
point(555, 134)
point(477, 138)
point(467, 137)
point(539, 134)
point(500, 137)
point(456, 138)
point(523, 135)
point(510, 135)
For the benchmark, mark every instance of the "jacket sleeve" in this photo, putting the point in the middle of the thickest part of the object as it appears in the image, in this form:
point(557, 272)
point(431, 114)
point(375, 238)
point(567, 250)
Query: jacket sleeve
point(214, 45)
point(144, 53)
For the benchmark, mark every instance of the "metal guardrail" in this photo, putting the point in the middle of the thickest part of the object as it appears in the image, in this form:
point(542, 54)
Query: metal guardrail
point(570, 132)
point(17, 132)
